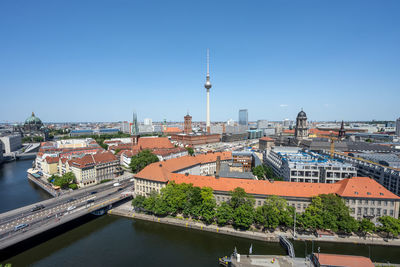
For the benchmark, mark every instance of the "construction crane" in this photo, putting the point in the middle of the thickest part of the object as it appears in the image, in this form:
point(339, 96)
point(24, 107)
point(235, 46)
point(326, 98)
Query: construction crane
point(332, 140)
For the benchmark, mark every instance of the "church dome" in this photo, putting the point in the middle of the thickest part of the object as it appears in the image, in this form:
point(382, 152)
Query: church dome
point(302, 114)
point(33, 120)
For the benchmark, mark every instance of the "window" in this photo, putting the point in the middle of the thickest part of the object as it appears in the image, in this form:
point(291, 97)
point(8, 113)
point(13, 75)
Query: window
point(385, 212)
point(378, 211)
point(358, 211)
point(365, 211)
point(385, 203)
point(391, 203)
point(372, 210)
point(259, 203)
point(352, 201)
point(391, 213)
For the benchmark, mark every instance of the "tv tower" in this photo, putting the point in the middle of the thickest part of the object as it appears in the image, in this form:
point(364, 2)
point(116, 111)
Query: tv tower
point(207, 85)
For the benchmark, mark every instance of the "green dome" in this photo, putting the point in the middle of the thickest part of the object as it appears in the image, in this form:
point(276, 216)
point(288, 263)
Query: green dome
point(33, 120)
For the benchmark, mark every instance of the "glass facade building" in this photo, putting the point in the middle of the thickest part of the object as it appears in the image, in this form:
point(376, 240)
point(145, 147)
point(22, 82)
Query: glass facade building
point(243, 117)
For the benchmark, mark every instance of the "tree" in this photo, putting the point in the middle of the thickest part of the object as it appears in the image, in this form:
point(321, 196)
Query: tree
point(274, 212)
point(64, 181)
point(141, 160)
point(239, 197)
point(366, 226)
point(328, 211)
point(138, 202)
point(117, 151)
point(243, 216)
point(390, 225)
point(243, 208)
point(208, 205)
point(259, 172)
point(224, 214)
point(190, 151)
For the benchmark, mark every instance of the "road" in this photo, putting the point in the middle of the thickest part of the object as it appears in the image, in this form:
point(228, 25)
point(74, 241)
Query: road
point(57, 211)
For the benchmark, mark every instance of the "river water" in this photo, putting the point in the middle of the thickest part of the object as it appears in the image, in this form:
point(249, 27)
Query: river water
point(115, 241)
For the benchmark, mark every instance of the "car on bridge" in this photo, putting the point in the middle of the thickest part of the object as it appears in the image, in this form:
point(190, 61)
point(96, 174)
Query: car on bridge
point(20, 226)
point(37, 207)
point(71, 208)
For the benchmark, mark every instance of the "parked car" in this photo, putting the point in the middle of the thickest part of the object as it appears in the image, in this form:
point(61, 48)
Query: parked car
point(116, 184)
point(90, 201)
point(94, 192)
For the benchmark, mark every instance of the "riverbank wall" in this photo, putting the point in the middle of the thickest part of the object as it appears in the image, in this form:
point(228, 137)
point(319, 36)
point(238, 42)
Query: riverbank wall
point(126, 211)
point(45, 187)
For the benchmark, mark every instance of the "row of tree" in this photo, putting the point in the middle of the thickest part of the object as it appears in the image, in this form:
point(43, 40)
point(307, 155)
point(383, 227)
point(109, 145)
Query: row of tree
point(324, 212)
point(67, 180)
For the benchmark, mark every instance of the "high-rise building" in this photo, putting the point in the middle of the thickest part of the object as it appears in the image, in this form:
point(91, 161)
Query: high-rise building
point(134, 125)
point(398, 127)
point(188, 124)
point(207, 85)
point(125, 127)
point(262, 124)
point(243, 117)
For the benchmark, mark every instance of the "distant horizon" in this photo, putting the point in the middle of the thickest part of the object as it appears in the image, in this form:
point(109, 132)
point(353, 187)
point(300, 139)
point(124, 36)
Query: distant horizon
point(99, 61)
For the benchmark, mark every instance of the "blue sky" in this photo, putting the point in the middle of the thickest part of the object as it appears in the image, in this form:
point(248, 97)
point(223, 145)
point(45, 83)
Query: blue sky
point(99, 60)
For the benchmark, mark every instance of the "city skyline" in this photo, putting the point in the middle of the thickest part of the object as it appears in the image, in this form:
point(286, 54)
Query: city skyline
point(67, 63)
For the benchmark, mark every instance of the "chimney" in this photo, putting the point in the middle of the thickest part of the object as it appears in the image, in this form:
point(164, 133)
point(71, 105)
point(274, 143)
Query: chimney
point(218, 166)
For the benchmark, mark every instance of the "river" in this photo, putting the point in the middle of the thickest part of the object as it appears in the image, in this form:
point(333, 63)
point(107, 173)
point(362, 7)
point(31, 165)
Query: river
point(115, 241)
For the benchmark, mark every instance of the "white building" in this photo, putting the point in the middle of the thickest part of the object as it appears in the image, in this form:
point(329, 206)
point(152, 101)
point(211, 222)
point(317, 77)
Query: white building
point(398, 127)
point(125, 127)
point(11, 143)
point(148, 121)
point(295, 165)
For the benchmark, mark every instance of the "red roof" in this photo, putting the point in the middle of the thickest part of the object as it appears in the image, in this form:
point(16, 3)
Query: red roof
point(154, 143)
point(290, 189)
point(269, 139)
point(51, 160)
point(173, 130)
point(343, 260)
point(160, 171)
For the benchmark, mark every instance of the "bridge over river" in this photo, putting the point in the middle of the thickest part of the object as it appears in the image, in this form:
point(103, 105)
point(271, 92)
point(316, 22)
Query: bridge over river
point(23, 223)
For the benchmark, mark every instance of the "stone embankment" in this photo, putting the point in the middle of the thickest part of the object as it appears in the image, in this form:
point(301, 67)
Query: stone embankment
point(125, 210)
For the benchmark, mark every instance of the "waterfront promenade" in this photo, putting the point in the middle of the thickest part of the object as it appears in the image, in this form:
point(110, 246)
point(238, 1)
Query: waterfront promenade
point(126, 210)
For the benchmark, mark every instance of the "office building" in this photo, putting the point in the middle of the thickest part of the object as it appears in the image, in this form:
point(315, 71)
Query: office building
point(11, 143)
point(243, 117)
point(296, 165)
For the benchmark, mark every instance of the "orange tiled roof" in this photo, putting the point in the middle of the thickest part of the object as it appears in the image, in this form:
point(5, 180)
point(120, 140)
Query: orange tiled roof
point(344, 260)
point(266, 139)
point(160, 171)
point(154, 143)
point(289, 189)
point(51, 160)
point(173, 130)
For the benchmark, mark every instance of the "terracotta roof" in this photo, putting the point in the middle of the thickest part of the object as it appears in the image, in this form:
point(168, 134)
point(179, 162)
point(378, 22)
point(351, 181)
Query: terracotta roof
point(51, 160)
point(363, 187)
point(343, 260)
point(166, 152)
point(104, 157)
point(285, 189)
point(154, 143)
point(173, 130)
point(91, 160)
point(159, 171)
point(266, 139)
